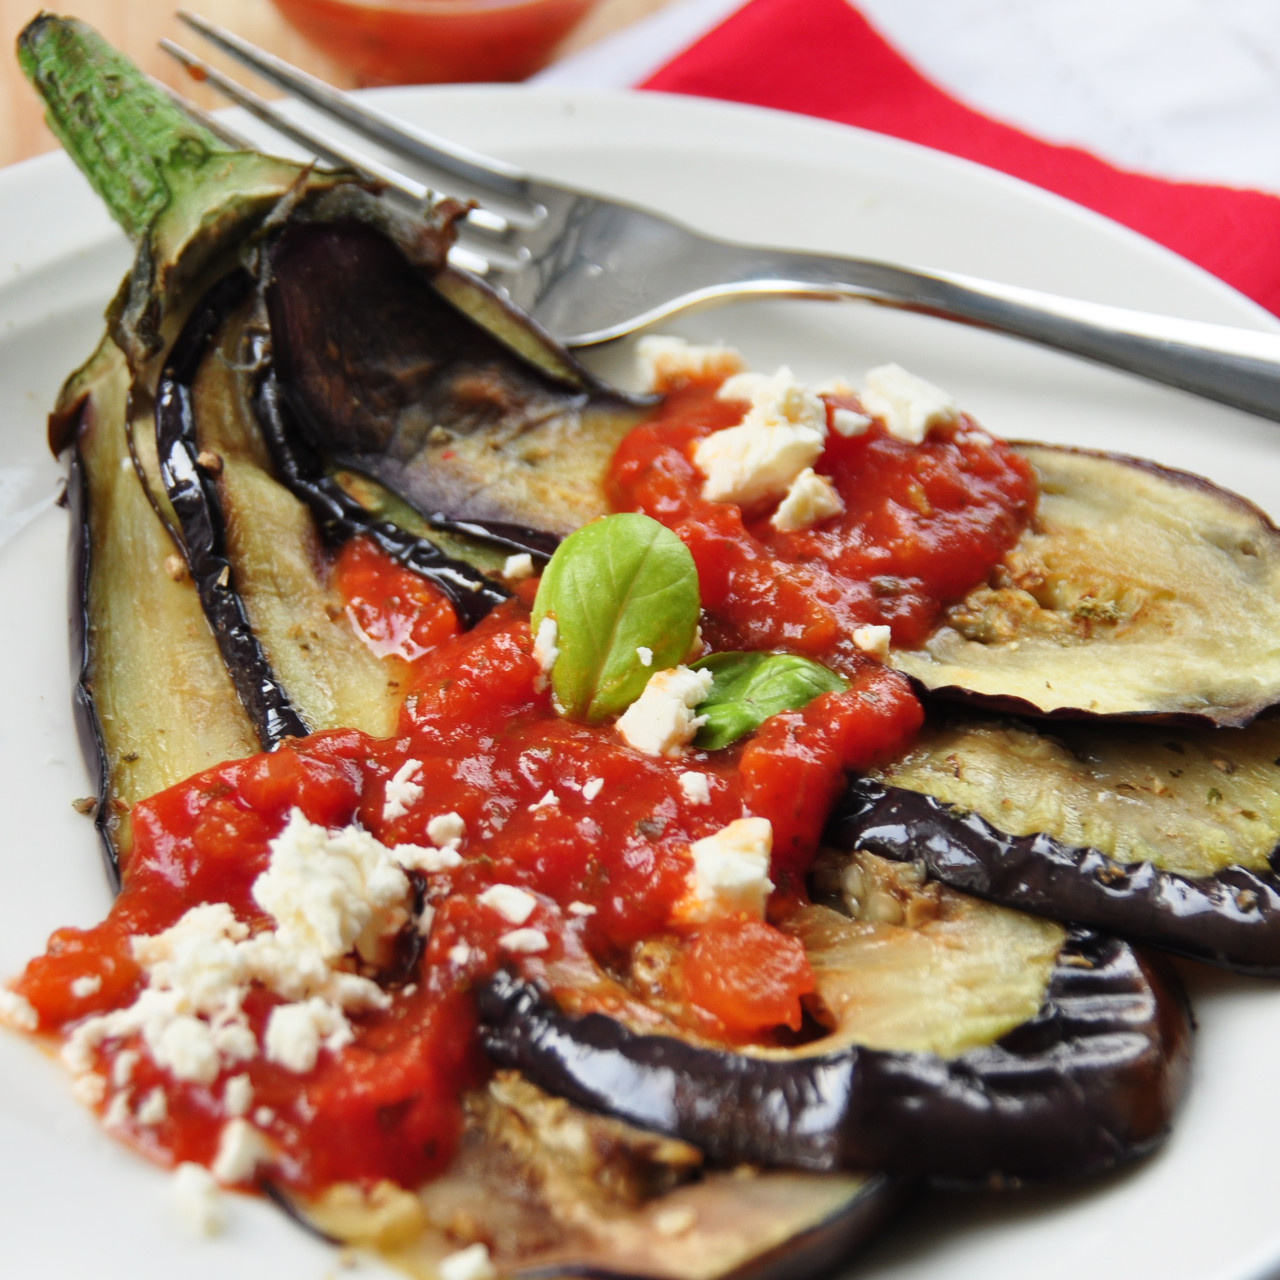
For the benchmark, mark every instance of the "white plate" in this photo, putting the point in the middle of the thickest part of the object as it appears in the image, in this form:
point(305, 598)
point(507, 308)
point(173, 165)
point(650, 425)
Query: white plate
point(71, 1200)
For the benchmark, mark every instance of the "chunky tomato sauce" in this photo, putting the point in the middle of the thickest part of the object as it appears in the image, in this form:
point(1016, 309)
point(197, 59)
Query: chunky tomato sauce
point(922, 525)
point(599, 833)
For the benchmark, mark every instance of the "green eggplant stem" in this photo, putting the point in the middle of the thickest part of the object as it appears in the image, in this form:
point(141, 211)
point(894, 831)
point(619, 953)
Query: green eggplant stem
point(136, 146)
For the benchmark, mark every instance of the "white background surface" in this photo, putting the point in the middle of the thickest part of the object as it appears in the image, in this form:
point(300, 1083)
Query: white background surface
point(74, 1203)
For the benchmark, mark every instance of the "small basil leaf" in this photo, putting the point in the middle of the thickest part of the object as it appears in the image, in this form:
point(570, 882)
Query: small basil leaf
point(748, 688)
point(615, 586)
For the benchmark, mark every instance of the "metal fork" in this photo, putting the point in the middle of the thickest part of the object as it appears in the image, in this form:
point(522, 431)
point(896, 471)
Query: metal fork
point(590, 269)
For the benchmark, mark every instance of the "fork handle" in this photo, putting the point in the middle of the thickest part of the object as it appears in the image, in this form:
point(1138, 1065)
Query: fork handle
point(1237, 367)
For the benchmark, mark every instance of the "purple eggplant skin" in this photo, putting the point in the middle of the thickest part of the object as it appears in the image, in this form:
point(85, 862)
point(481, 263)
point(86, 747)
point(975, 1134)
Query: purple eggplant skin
point(1090, 1082)
point(1231, 919)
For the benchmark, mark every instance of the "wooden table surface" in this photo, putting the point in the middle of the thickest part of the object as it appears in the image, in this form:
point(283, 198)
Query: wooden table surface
point(136, 25)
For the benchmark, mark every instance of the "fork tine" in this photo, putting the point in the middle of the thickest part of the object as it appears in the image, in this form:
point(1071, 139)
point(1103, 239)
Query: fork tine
point(236, 141)
point(488, 175)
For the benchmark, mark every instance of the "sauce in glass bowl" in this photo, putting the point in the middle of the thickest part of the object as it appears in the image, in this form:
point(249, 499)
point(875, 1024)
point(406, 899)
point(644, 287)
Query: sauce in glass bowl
point(436, 41)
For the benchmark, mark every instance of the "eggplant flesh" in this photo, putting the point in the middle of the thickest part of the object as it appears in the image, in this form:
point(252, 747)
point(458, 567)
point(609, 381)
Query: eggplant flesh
point(1165, 835)
point(1138, 591)
point(554, 1190)
point(1091, 1077)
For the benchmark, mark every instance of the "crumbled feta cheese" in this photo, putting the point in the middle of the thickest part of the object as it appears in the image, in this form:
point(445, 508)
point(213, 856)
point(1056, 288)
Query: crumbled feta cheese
point(296, 1033)
point(549, 801)
point(528, 942)
point(414, 857)
point(645, 654)
point(330, 892)
point(847, 423)
point(743, 386)
point(696, 787)
point(513, 904)
point(90, 1088)
point(459, 954)
point(592, 789)
point(402, 792)
point(241, 1149)
point(873, 640)
point(89, 985)
point(237, 1096)
point(545, 651)
point(665, 361)
point(471, 1263)
point(198, 1199)
point(518, 567)
point(811, 498)
point(186, 1048)
point(17, 1011)
point(153, 1109)
point(660, 722)
point(908, 405)
point(263, 1116)
point(731, 870)
point(122, 1068)
point(580, 909)
point(446, 831)
point(117, 1113)
point(781, 434)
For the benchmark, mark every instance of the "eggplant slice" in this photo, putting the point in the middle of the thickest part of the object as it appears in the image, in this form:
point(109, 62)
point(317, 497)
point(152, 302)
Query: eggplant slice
point(1088, 1079)
point(1165, 835)
point(1138, 591)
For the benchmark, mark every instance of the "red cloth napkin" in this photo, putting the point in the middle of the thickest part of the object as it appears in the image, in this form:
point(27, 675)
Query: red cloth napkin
point(822, 58)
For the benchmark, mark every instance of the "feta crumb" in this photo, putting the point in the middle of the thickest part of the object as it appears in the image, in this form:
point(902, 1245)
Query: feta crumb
point(471, 1263)
point(592, 789)
point(90, 1088)
point(17, 1011)
point(513, 904)
point(666, 360)
point(696, 787)
point(526, 942)
point(580, 909)
point(909, 405)
point(263, 1116)
point(811, 498)
point(237, 1096)
point(241, 1149)
point(446, 830)
point(123, 1066)
point(645, 654)
point(545, 651)
point(518, 567)
point(660, 722)
point(89, 985)
point(847, 423)
point(296, 1033)
point(549, 801)
point(153, 1109)
point(198, 1199)
point(117, 1113)
point(459, 954)
point(873, 640)
point(731, 870)
point(743, 386)
point(415, 857)
point(402, 792)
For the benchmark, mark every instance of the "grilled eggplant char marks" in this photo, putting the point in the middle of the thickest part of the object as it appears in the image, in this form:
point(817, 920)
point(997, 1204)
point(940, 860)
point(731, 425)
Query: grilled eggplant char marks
point(388, 377)
point(1138, 592)
point(1164, 835)
point(1090, 1080)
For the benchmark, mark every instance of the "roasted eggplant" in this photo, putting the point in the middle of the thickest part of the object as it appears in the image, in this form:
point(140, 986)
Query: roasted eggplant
point(1138, 592)
point(1161, 834)
point(1031, 1052)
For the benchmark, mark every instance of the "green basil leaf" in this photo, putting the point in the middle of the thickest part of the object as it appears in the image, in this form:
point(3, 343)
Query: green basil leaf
point(615, 586)
point(748, 688)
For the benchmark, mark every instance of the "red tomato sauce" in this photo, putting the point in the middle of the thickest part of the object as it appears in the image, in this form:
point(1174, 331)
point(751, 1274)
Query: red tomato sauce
point(922, 525)
point(599, 833)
